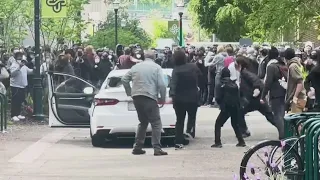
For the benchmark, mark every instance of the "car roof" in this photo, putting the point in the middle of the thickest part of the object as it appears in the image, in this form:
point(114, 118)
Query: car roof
point(121, 72)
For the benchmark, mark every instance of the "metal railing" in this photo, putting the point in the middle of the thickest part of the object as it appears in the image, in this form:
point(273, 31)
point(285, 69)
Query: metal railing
point(3, 113)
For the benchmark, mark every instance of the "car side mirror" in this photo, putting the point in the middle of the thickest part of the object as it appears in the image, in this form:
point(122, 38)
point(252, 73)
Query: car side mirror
point(88, 90)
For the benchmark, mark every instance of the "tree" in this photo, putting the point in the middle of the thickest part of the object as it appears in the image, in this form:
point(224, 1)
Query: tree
point(261, 20)
point(131, 33)
point(224, 18)
point(12, 27)
point(160, 30)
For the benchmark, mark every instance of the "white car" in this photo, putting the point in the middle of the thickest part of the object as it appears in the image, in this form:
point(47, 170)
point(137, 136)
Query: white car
point(108, 112)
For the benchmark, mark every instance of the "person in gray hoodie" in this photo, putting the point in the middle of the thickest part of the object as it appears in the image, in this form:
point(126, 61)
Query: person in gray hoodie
point(18, 83)
point(218, 62)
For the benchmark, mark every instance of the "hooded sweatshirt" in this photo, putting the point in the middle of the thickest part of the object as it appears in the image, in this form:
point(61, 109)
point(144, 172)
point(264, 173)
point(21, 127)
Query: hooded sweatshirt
point(313, 80)
point(295, 76)
point(271, 80)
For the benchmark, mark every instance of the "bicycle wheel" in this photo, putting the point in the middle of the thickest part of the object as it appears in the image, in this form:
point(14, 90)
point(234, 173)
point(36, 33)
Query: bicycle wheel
point(250, 170)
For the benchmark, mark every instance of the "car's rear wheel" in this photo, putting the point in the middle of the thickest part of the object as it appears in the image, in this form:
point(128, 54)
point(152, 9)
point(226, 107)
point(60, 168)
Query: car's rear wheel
point(96, 140)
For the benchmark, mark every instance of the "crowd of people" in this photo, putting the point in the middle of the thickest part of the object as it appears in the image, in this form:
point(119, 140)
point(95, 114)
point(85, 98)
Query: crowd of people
point(237, 80)
point(268, 79)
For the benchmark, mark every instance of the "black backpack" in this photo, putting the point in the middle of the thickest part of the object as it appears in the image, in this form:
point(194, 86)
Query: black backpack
point(231, 94)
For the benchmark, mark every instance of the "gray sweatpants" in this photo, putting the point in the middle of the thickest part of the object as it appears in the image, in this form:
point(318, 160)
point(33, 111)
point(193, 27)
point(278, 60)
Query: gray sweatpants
point(148, 112)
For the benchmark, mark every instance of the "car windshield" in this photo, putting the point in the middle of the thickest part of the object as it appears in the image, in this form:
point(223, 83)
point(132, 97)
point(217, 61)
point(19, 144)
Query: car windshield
point(114, 82)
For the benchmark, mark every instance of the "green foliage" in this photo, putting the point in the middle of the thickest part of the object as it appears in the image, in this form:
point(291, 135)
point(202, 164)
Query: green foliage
point(12, 27)
point(261, 20)
point(160, 30)
point(131, 33)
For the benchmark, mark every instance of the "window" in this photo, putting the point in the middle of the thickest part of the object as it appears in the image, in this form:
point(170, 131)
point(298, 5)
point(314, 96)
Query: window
point(68, 84)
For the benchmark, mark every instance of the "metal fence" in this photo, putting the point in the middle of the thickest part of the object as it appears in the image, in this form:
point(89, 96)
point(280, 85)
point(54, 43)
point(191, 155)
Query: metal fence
point(3, 112)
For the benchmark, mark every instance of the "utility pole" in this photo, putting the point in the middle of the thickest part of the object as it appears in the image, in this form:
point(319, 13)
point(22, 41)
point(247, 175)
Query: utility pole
point(37, 86)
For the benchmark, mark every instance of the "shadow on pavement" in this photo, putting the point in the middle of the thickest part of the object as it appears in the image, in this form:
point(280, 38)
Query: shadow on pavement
point(116, 143)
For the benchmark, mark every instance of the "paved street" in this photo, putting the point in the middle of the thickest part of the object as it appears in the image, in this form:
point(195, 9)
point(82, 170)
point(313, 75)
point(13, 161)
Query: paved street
point(40, 153)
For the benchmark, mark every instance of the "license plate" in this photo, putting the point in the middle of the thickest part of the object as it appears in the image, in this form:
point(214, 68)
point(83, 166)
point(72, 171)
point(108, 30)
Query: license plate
point(131, 106)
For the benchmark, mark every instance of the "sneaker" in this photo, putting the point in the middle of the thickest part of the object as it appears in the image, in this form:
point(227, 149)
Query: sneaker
point(21, 117)
point(15, 118)
point(246, 134)
point(241, 144)
point(217, 145)
point(189, 135)
point(160, 153)
point(178, 146)
point(138, 151)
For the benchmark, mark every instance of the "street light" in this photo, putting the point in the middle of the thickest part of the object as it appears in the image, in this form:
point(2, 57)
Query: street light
point(116, 5)
point(180, 7)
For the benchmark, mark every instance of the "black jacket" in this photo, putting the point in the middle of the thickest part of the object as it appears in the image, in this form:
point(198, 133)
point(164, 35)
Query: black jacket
point(249, 82)
point(313, 80)
point(184, 83)
point(262, 68)
point(203, 79)
point(272, 84)
point(228, 93)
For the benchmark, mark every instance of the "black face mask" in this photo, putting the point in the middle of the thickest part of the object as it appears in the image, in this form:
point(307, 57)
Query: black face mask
point(313, 56)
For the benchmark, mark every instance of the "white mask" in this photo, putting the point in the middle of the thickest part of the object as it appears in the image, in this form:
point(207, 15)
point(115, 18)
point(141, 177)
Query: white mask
point(138, 56)
point(109, 56)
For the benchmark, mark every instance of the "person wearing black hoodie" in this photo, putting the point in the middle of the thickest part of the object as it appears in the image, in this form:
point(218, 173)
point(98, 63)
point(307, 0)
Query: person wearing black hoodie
point(250, 93)
point(313, 80)
point(276, 70)
point(228, 98)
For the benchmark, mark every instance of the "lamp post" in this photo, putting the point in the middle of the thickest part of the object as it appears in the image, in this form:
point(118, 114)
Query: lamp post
point(116, 4)
point(180, 7)
point(37, 86)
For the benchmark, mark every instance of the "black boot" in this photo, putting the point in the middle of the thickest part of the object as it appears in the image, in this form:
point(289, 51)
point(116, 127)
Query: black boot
point(217, 138)
point(241, 142)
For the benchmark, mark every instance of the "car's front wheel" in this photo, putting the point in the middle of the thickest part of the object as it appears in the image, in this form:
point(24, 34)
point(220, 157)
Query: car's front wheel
point(96, 140)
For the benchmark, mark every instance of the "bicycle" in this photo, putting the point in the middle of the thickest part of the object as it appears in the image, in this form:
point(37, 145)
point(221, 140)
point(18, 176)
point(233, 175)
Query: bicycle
point(289, 147)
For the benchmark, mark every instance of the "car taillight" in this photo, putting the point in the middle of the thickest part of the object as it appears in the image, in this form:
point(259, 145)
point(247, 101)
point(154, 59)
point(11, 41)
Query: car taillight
point(105, 102)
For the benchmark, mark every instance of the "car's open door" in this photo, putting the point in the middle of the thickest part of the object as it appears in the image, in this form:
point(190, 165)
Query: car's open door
point(69, 99)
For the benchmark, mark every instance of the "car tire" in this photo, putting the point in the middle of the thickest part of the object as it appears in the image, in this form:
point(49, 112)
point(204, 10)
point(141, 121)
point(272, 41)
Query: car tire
point(96, 140)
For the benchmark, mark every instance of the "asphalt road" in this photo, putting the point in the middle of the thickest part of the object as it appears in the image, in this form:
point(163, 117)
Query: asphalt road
point(39, 153)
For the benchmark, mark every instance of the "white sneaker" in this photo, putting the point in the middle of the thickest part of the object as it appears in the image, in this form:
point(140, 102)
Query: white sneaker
point(21, 117)
point(15, 118)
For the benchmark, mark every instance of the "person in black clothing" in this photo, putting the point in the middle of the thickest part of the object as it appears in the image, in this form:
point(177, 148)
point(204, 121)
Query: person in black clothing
point(313, 80)
point(184, 95)
point(211, 83)
point(263, 63)
point(168, 62)
point(228, 98)
point(276, 70)
point(104, 67)
point(250, 95)
point(203, 79)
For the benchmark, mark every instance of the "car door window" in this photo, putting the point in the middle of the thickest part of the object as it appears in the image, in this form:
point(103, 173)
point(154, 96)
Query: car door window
point(63, 83)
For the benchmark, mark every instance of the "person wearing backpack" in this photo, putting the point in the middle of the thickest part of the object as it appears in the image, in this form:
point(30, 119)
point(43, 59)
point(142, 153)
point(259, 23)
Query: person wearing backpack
point(228, 98)
point(276, 75)
point(296, 98)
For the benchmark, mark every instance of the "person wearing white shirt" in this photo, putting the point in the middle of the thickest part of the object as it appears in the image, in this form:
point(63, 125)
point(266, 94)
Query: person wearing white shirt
point(18, 83)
